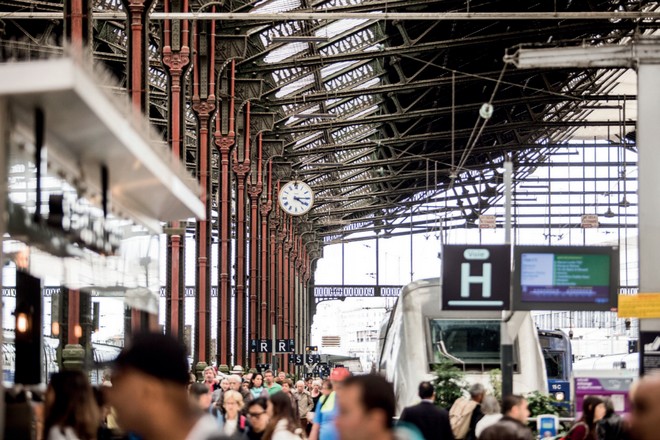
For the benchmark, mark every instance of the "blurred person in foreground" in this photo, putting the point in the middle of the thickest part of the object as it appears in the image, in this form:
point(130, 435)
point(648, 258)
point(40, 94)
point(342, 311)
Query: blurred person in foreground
point(257, 414)
point(283, 424)
point(611, 426)
point(645, 416)
point(432, 422)
point(326, 410)
point(513, 422)
point(366, 408)
point(149, 379)
point(593, 410)
point(71, 411)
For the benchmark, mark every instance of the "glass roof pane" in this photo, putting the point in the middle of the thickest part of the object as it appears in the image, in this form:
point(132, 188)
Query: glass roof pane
point(294, 86)
point(270, 6)
point(286, 51)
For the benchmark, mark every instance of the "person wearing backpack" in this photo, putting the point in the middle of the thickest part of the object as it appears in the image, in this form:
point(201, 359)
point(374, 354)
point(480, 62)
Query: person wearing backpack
point(465, 413)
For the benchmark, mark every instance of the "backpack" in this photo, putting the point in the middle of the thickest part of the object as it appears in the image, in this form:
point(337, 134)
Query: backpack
point(460, 415)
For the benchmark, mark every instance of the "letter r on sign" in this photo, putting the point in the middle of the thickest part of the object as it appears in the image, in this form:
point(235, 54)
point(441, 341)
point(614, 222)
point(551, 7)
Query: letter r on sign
point(484, 280)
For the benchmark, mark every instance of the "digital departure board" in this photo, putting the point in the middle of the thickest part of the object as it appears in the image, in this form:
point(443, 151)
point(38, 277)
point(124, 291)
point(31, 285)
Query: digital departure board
point(565, 277)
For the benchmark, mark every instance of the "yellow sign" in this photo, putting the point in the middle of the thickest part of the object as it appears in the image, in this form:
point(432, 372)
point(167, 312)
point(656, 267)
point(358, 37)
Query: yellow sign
point(642, 305)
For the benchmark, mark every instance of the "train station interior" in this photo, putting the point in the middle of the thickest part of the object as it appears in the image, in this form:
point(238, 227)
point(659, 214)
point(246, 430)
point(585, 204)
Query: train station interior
point(225, 171)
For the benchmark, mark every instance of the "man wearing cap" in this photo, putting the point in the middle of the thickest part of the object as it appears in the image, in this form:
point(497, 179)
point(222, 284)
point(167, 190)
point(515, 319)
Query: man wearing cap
point(326, 409)
point(149, 392)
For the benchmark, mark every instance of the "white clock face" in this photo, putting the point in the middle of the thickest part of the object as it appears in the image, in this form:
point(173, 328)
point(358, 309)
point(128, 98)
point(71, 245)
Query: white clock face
point(296, 198)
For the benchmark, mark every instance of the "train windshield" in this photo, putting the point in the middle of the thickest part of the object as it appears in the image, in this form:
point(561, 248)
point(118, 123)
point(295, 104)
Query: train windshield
point(471, 341)
point(554, 364)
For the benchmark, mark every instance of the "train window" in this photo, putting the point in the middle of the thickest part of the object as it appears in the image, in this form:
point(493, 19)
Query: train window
point(554, 364)
point(471, 341)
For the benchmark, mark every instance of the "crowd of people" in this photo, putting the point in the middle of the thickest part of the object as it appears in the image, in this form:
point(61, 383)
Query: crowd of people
point(150, 395)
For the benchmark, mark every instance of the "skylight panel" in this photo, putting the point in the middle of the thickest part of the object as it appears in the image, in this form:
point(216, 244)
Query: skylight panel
point(372, 109)
point(372, 82)
point(286, 51)
point(338, 27)
point(294, 86)
point(272, 6)
point(336, 67)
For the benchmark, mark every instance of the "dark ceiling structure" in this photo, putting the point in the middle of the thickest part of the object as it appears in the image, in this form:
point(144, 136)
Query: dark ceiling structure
point(373, 113)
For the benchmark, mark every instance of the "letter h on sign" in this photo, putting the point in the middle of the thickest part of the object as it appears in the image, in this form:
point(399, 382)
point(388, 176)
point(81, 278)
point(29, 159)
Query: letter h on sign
point(484, 280)
point(476, 277)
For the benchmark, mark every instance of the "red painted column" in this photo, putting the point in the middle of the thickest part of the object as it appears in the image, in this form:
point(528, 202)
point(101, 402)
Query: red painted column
point(138, 62)
point(255, 189)
point(203, 99)
point(77, 25)
point(176, 57)
point(273, 274)
point(74, 316)
point(224, 141)
point(138, 80)
point(266, 208)
point(281, 237)
point(241, 169)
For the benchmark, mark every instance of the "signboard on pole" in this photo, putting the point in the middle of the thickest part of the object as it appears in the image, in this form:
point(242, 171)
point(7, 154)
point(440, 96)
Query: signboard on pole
point(614, 388)
point(589, 221)
point(476, 277)
point(649, 354)
point(487, 222)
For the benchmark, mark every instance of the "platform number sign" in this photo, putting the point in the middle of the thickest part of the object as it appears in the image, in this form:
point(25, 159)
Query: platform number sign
point(297, 359)
point(476, 277)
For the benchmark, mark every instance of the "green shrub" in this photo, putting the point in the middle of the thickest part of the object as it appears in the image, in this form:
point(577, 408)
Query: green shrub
point(449, 383)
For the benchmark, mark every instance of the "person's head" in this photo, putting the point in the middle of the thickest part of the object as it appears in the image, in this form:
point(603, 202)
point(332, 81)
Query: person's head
point(490, 405)
point(308, 383)
point(70, 401)
point(426, 391)
point(224, 384)
point(515, 406)
point(281, 376)
point(477, 392)
point(107, 376)
point(149, 382)
point(245, 385)
point(257, 380)
point(287, 384)
point(593, 409)
point(326, 387)
point(257, 413)
point(609, 407)
point(268, 377)
point(366, 407)
point(232, 402)
point(300, 386)
point(209, 374)
point(338, 375)
point(235, 382)
point(279, 408)
point(505, 430)
point(646, 408)
point(317, 384)
point(201, 395)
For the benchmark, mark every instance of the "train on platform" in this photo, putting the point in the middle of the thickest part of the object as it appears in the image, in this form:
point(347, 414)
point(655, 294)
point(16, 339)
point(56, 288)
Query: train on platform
point(558, 357)
point(418, 334)
point(101, 354)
